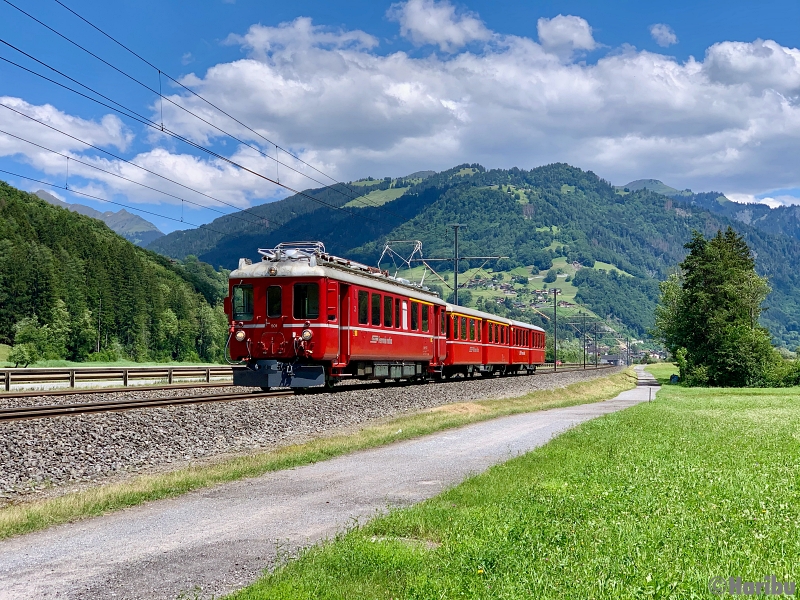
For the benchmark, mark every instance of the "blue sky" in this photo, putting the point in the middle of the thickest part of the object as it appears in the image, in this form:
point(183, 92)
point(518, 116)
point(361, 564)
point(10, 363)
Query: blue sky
point(700, 95)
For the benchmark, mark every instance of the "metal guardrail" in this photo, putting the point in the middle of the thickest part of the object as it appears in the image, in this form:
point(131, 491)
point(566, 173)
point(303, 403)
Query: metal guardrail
point(72, 376)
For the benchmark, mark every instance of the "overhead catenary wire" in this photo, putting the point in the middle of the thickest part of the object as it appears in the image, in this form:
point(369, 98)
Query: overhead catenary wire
point(149, 123)
point(99, 199)
point(191, 91)
point(144, 185)
point(111, 154)
point(359, 197)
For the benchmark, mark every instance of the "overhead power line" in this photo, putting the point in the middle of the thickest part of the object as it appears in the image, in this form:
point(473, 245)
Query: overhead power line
point(64, 187)
point(112, 155)
point(160, 95)
point(149, 123)
point(117, 175)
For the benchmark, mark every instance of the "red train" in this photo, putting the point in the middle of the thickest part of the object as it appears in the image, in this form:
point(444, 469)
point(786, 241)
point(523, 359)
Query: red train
point(302, 317)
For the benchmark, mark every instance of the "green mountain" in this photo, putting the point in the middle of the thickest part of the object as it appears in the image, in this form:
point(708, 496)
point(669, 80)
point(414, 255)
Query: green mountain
point(71, 283)
point(133, 228)
point(552, 213)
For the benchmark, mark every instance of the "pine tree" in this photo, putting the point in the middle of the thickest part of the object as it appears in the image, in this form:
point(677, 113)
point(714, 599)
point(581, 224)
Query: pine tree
point(708, 314)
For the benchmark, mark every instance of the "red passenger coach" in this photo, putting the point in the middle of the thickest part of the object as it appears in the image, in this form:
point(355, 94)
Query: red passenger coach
point(301, 317)
point(479, 342)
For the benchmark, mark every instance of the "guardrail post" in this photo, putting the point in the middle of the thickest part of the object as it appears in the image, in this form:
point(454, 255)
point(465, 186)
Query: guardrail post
point(125, 377)
point(8, 381)
point(169, 376)
point(72, 378)
point(208, 374)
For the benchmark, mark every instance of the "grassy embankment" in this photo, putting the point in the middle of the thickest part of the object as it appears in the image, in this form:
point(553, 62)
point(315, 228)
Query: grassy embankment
point(27, 517)
point(648, 502)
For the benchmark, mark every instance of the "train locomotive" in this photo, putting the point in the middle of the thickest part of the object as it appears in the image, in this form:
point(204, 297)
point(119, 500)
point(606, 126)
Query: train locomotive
point(301, 317)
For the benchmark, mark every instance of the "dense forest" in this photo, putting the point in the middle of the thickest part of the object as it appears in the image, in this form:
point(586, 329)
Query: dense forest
point(70, 288)
point(533, 217)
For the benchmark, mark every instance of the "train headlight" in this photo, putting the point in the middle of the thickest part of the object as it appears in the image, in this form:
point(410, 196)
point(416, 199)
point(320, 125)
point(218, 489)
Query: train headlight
point(307, 335)
point(272, 271)
point(240, 335)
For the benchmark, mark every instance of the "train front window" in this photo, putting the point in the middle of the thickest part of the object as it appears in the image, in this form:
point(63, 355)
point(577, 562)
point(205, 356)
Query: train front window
point(243, 303)
point(306, 301)
point(363, 308)
point(274, 308)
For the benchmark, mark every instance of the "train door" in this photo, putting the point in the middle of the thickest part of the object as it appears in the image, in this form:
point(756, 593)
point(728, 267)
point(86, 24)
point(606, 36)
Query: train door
point(344, 324)
point(441, 342)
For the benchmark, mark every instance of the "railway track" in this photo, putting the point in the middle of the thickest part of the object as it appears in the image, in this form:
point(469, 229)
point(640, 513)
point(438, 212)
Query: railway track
point(61, 410)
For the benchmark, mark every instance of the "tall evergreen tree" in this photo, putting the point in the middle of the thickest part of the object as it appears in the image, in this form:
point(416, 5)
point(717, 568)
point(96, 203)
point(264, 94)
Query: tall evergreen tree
point(708, 314)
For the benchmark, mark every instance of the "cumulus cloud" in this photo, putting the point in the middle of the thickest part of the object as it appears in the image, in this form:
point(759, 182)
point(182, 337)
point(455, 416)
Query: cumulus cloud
point(437, 23)
point(564, 35)
point(663, 35)
point(760, 65)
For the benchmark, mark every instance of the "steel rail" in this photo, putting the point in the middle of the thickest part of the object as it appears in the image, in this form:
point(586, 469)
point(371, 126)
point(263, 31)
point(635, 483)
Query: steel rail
point(60, 410)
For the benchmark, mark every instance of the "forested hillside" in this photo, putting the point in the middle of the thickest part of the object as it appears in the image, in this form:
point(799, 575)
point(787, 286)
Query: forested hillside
point(68, 282)
point(533, 217)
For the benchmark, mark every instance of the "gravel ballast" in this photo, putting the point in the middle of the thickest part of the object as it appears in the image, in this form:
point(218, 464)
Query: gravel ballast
point(38, 455)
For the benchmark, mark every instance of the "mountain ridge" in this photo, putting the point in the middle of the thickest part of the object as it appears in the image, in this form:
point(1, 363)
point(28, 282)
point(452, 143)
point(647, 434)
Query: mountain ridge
point(132, 227)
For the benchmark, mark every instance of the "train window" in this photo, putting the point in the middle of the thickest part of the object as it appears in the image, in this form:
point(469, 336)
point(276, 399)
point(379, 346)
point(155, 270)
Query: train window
point(425, 316)
point(306, 301)
point(376, 309)
point(243, 303)
point(502, 335)
point(363, 308)
point(274, 308)
point(472, 330)
point(443, 318)
point(463, 328)
point(387, 311)
point(491, 330)
point(478, 325)
point(414, 315)
point(397, 312)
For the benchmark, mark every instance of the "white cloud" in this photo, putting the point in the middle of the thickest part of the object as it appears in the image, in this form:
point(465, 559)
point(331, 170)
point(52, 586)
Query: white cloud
point(762, 65)
point(109, 132)
point(663, 35)
point(564, 35)
point(431, 22)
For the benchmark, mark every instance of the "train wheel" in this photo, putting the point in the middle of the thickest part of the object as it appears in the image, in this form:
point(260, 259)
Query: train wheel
point(330, 382)
point(264, 389)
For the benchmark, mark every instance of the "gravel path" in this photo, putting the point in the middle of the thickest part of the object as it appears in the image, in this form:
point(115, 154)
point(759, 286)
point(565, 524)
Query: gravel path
point(50, 455)
point(213, 541)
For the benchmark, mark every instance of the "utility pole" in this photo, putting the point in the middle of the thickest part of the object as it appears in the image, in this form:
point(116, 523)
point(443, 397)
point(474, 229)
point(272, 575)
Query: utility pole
point(596, 351)
point(456, 227)
point(555, 331)
point(99, 312)
point(584, 340)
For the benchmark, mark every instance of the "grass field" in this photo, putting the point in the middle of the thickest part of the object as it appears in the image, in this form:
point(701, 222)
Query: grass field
point(377, 198)
point(26, 517)
point(650, 502)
